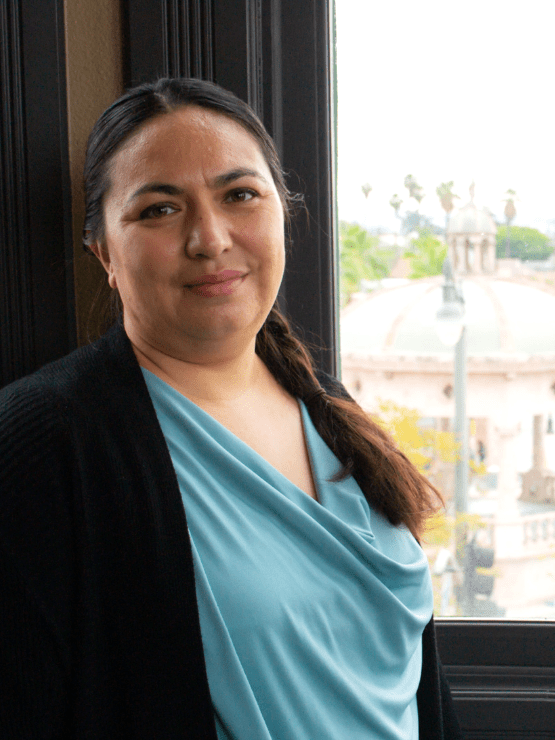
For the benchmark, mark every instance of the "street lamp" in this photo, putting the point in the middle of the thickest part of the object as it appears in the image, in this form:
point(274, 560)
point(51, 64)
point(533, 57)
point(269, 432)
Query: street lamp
point(451, 330)
point(450, 315)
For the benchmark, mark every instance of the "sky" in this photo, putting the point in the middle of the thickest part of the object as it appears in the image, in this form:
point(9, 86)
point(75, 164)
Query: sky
point(446, 90)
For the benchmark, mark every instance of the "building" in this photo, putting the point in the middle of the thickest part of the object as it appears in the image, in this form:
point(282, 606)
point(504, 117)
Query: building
point(391, 351)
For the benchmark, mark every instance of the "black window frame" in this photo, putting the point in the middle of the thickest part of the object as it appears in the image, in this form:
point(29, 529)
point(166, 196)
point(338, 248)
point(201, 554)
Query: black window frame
point(37, 307)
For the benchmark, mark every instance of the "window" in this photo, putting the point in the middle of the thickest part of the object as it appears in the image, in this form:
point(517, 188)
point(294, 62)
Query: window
point(456, 96)
point(445, 150)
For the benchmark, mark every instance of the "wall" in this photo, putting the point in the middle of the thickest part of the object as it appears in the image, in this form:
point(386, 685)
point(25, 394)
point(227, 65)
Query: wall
point(93, 37)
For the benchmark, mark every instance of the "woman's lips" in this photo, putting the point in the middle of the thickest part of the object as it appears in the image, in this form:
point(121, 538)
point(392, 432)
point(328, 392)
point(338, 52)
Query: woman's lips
point(221, 283)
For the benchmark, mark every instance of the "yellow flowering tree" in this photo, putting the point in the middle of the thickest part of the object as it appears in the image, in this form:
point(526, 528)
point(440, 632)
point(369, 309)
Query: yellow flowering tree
point(434, 454)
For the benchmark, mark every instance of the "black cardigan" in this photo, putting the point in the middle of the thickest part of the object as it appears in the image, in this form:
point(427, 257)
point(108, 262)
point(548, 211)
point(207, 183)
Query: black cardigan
point(99, 630)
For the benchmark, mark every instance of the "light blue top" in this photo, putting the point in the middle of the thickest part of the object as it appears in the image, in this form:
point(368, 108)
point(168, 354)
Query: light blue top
point(311, 612)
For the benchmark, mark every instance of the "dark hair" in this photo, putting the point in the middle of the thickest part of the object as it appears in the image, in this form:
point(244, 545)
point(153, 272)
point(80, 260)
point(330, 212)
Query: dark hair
point(145, 102)
point(391, 484)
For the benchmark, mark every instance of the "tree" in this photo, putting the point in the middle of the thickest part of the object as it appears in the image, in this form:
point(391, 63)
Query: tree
point(423, 446)
point(366, 189)
point(525, 243)
point(396, 204)
point(415, 190)
point(361, 258)
point(510, 213)
point(430, 451)
point(433, 453)
point(446, 196)
point(427, 255)
point(414, 221)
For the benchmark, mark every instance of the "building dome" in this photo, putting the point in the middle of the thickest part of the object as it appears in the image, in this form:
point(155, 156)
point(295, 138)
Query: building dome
point(505, 320)
point(470, 220)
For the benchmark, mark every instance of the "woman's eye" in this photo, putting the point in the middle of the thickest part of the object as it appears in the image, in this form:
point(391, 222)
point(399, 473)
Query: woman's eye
point(158, 211)
point(242, 195)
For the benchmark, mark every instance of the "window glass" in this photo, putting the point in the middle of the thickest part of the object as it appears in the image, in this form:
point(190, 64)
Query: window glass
point(447, 232)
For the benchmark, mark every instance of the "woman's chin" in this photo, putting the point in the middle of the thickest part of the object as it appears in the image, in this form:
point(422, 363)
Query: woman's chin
point(225, 333)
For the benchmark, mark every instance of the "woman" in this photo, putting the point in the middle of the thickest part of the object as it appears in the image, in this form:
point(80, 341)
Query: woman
point(185, 551)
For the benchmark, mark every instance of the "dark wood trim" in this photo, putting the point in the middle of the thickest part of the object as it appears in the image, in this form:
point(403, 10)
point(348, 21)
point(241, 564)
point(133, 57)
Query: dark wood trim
point(254, 61)
point(168, 38)
point(188, 35)
point(504, 701)
point(502, 676)
point(307, 135)
point(37, 321)
point(500, 642)
point(272, 70)
point(232, 54)
point(16, 306)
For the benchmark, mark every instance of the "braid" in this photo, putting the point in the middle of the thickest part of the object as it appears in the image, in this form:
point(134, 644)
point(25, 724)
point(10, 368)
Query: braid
point(390, 482)
point(285, 356)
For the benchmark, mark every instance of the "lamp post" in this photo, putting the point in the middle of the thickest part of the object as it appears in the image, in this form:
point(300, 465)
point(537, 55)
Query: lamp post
point(451, 330)
point(461, 425)
point(476, 585)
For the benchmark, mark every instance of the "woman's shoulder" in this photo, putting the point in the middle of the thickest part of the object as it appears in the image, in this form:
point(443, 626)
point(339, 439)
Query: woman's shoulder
point(30, 412)
point(37, 411)
point(57, 383)
point(33, 434)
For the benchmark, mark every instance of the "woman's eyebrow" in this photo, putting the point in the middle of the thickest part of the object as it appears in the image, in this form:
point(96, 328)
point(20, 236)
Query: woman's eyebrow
point(222, 180)
point(219, 182)
point(156, 187)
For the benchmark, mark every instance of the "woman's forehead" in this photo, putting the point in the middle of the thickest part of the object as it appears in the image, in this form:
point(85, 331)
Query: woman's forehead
point(198, 137)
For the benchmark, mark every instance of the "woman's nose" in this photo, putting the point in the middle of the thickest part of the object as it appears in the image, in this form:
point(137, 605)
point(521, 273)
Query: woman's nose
point(208, 236)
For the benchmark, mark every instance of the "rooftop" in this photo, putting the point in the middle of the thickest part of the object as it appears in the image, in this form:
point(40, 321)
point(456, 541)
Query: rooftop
point(504, 318)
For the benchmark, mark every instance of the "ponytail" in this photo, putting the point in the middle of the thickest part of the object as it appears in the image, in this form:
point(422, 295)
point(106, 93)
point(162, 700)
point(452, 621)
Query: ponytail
point(389, 481)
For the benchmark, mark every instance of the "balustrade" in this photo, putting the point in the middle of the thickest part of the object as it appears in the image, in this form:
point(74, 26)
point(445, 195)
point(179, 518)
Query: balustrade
point(538, 529)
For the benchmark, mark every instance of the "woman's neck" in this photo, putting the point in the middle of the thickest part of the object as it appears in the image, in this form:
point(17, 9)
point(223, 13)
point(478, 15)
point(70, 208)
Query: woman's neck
point(209, 380)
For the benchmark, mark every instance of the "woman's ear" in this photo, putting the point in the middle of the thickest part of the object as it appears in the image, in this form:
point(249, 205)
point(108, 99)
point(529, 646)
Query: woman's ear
point(101, 252)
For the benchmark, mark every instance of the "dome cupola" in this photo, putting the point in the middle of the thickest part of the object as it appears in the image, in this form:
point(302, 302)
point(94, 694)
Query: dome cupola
point(471, 239)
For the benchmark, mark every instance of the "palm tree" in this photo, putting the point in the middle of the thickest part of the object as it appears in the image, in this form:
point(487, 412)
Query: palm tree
point(510, 213)
point(366, 189)
point(415, 190)
point(446, 196)
point(396, 203)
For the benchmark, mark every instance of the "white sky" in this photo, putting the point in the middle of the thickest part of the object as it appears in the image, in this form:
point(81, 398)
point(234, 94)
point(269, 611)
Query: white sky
point(446, 90)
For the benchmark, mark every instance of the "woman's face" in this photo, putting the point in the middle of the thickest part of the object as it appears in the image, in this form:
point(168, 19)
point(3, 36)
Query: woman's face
point(194, 233)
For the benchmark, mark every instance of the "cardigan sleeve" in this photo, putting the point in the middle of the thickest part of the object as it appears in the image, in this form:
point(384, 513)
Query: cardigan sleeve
point(35, 567)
